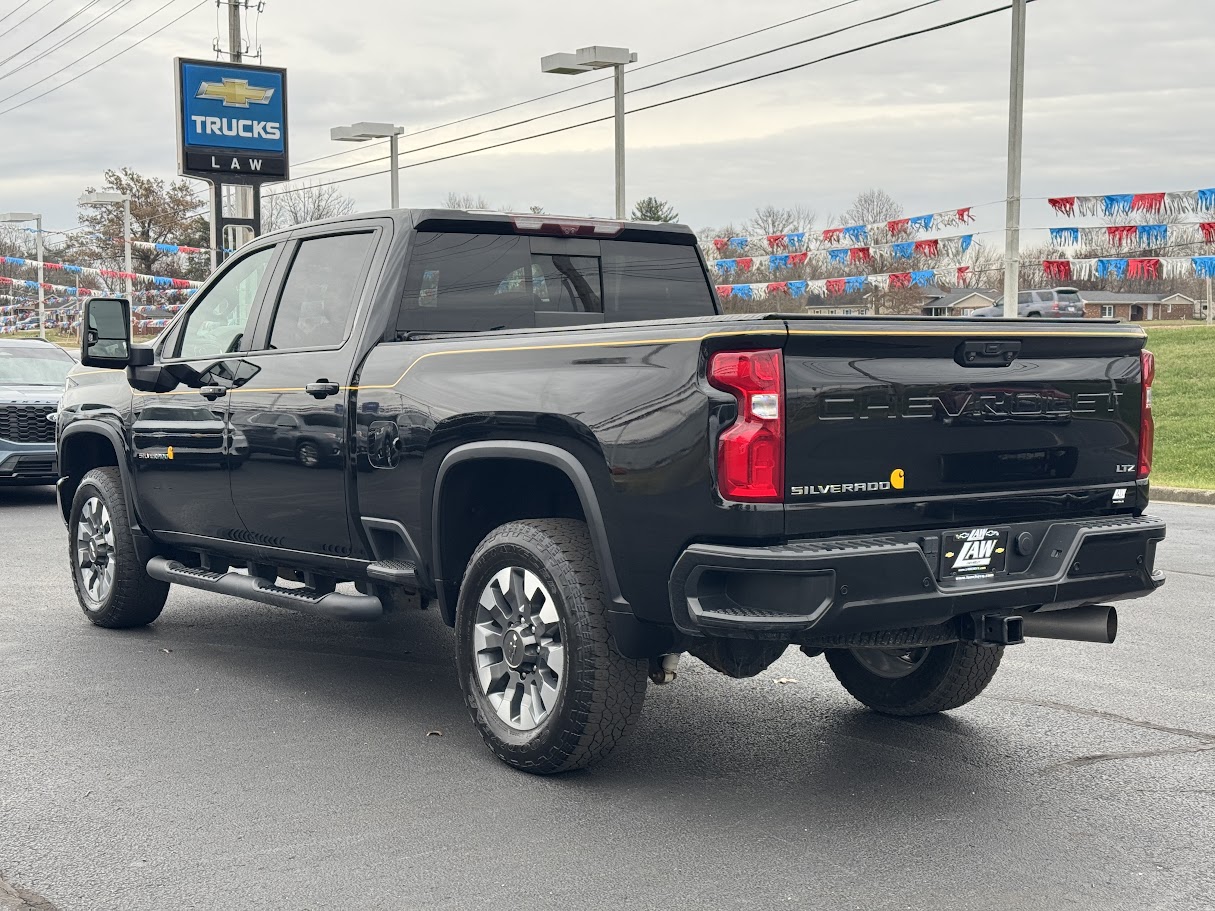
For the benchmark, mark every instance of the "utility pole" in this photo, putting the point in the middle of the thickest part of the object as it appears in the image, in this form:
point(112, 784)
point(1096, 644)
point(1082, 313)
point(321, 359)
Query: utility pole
point(234, 39)
point(1210, 306)
point(621, 204)
point(1016, 111)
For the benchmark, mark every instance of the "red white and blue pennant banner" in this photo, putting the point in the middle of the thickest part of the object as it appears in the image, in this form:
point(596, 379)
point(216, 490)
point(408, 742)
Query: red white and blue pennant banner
point(855, 234)
point(824, 287)
point(775, 262)
point(1184, 202)
point(1052, 270)
point(1138, 235)
point(163, 280)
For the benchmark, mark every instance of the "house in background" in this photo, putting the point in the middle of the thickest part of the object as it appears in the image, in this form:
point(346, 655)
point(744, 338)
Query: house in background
point(848, 305)
point(1137, 307)
point(959, 302)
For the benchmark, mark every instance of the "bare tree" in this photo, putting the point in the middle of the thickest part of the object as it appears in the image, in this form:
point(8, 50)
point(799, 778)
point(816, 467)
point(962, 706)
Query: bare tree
point(779, 220)
point(872, 207)
point(309, 202)
point(465, 201)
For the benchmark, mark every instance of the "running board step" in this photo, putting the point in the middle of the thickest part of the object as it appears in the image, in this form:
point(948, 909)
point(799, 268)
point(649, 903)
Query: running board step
point(396, 572)
point(334, 605)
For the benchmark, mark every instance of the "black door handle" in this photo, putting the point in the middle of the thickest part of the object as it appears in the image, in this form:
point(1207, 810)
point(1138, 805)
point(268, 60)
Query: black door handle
point(321, 388)
point(211, 393)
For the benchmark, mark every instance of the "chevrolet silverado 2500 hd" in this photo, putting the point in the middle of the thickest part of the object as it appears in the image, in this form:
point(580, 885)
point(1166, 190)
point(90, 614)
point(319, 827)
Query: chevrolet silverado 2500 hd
point(547, 427)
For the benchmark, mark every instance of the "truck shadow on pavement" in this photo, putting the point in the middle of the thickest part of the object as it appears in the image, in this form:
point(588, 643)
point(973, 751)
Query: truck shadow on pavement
point(26, 496)
point(397, 676)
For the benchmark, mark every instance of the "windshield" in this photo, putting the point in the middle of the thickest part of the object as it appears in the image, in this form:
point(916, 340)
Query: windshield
point(34, 366)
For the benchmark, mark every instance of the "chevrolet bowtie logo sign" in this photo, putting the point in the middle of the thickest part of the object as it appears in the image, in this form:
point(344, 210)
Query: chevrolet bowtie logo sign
point(234, 93)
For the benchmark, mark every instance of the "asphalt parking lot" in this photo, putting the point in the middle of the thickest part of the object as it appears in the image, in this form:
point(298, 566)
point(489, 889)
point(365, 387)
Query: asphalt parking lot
point(236, 756)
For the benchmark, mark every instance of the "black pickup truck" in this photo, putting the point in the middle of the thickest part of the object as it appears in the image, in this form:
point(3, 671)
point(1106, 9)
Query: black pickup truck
point(547, 427)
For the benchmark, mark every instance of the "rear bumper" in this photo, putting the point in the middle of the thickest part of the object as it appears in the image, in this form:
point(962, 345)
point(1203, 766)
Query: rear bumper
point(870, 583)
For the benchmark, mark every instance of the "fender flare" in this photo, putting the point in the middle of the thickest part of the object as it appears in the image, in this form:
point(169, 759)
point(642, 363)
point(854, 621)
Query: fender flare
point(100, 428)
point(546, 454)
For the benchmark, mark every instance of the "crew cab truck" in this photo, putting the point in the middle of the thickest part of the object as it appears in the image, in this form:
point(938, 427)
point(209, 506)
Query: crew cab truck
point(547, 427)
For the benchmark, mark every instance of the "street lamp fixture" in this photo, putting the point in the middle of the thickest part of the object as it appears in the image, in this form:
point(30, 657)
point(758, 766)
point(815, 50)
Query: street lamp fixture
point(17, 218)
point(598, 57)
point(102, 197)
point(363, 131)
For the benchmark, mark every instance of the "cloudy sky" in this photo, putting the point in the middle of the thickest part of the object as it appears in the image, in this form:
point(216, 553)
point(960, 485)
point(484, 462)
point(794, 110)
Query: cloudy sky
point(1118, 95)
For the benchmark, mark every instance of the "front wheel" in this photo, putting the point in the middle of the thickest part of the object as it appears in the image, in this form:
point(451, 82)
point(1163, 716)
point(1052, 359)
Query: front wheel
point(112, 586)
point(308, 454)
point(544, 684)
point(916, 681)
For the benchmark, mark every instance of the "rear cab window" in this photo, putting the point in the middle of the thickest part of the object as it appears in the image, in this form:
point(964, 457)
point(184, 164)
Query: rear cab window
point(466, 281)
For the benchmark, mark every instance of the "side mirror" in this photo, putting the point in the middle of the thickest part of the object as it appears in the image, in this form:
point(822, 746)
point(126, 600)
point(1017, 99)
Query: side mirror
point(105, 338)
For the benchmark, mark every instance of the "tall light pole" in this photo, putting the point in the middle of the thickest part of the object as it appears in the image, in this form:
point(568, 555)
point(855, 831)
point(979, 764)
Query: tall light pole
point(1016, 111)
point(17, 217)
point(107, 196)
point(361, 132)
point(584, 60)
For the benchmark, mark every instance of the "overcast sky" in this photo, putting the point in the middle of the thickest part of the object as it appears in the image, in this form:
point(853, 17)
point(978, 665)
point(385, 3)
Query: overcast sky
point(1118, 98)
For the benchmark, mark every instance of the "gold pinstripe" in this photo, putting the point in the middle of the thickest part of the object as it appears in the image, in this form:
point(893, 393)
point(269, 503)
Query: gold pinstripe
point(1128, 332)
point(743, 332)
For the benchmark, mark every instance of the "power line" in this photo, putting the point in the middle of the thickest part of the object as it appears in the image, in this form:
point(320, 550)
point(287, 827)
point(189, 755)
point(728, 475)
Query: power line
point(109, 59)
point(22, 22)
point(15, 9)
point(51, 32)
point(744, 59)
point(63, 42)
point(591, 82)
point(797, 66)
point(79, 59)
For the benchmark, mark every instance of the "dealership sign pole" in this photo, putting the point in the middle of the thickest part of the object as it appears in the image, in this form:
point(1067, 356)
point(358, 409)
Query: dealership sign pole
point(232, 132)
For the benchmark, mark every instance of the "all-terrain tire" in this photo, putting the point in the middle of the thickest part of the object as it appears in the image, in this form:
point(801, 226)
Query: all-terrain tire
point(950, 676)
point(600, 692)
point(133, 598)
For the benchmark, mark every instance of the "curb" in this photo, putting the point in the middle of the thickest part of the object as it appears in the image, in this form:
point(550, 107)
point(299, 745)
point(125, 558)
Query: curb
point(1160, 494)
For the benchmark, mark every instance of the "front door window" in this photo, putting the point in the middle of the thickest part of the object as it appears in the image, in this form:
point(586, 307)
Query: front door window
point(220, 320)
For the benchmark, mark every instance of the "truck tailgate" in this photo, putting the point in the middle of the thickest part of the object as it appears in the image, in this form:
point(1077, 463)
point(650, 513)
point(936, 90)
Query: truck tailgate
point(911, 411)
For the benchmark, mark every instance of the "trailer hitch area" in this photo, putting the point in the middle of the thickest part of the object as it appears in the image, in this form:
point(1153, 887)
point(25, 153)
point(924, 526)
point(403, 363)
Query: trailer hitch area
point(992, 629)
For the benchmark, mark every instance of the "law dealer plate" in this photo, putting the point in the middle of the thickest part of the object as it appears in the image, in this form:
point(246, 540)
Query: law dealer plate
point(974, 553)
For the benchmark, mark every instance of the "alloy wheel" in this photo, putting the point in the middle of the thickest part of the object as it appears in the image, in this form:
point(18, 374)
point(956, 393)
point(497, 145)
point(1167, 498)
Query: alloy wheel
point(518, 652)
point(95, 558)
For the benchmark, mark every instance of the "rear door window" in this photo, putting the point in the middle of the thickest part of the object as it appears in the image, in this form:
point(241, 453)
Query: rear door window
point(467, 282)
point(321, 293)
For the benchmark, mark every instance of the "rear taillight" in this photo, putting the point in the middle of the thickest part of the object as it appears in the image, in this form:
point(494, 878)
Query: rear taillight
point(1147, 427)
point(751, 451)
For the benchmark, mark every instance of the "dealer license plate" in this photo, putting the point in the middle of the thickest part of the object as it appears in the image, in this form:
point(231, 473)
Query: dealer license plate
point(974, 553)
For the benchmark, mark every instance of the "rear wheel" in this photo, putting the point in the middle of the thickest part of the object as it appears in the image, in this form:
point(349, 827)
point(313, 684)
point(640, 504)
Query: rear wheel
point(917, 681)
point(112, 585)
point(544, 683)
